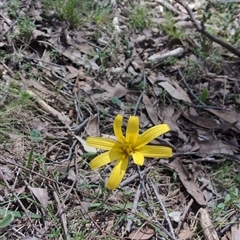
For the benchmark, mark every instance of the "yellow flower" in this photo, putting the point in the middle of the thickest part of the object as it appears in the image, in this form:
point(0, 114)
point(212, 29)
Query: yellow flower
point(133, 145)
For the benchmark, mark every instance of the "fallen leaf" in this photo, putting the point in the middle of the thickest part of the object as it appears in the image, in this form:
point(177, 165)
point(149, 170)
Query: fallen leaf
point(228, 116)
point(41, 195)
point(117, 91)
point(84, 207)
point(188, 181)
point(203, 121)
point(141, 234)
point(110, 225)
point(235, 230)
point(185, 234)
point(36, 34)
point(150, 110)
point(71, 175)
point(8, 174)
point(175, 216)
point(214, 147)
point(167, 116)
point(92, 128)
point(175, 90)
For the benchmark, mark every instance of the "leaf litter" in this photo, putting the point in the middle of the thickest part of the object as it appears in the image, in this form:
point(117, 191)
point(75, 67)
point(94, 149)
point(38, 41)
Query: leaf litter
point(69, 82)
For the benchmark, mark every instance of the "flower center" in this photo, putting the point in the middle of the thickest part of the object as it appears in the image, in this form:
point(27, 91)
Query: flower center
point(127, 149)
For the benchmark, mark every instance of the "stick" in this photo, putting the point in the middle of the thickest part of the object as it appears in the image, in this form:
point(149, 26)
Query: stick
point(134, 208)
point(207, 226)
point(163, 208)
point(200, 28)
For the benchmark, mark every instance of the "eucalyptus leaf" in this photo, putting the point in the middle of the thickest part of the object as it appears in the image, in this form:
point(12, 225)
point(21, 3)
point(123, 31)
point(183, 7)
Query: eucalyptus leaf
point(204, 95)
point(6, 220)
point(35, 135)
point(18, 214)
point(116, 101)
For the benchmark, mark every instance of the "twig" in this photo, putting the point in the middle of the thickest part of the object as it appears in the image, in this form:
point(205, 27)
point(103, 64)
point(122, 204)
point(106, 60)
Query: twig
point(55, 76)
point(160, 57)
point(189, 89)
point(12, 25)
point(16, 197)
point(134, 208)
point(78, 129)
point(128, 62)
point(130, 179)
point(63, 118)
point(4, 94)
point(94, 222)
point(141, 95)
point(194, 96)
point(165, 4)
point(200, 28)
point(95, 105)
point(9, 71)
point(163, 208)
point(207, 226)
point(41, 60)
point(229, 225)
point(186, 211)
point(58, 160)
point(62, 215)
point(78, 108)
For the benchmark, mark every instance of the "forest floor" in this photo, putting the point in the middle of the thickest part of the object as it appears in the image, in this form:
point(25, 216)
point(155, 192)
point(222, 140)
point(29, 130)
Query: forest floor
point(68, 68)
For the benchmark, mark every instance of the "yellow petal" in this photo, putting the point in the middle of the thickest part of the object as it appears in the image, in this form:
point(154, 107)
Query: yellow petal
point(132, 129)
point(101, 143)
point(117, 173)
point(156, 151)
point(117, 128)
point(115, 153)
point(151, 133)
point(100, 160)
point(138, 158)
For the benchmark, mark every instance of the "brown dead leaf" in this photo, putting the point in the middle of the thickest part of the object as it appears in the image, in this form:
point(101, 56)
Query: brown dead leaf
point(92, 127)
point(37, 33)
point(71, 175)
point(167, 115)
point(209, 145)
point(8, 174)
point(225, 237)
point(83, 86)
point(214, 147)
point(117, 91)
point(41, 194)
point(38, 86)
point(75, 56)
point(174, 89)
point(185, 234)
point(151, 112)
point(142, 234)
point(144, 120)
point(110, 225)
point(228, 116)
point(235, 231)
point(73, 72)
point(188, 181)
point(203, 121)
